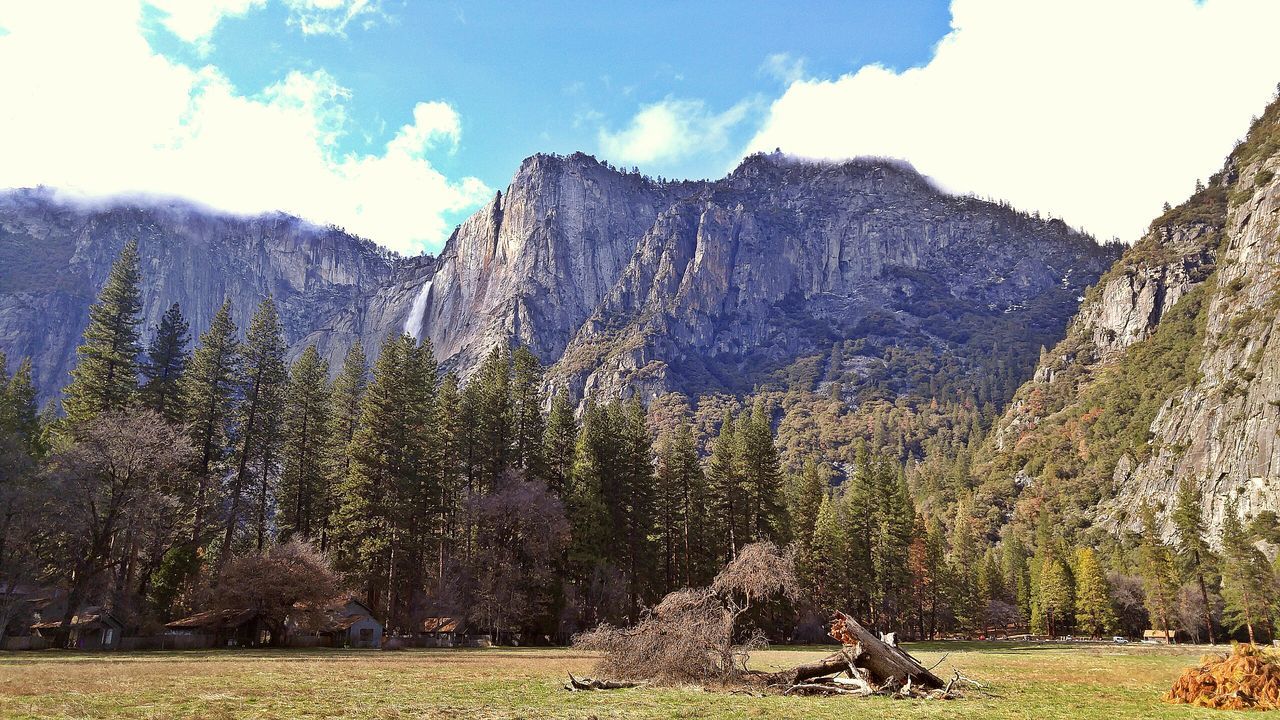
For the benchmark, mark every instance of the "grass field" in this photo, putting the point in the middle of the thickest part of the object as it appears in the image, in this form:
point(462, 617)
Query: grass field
point(1026, 681)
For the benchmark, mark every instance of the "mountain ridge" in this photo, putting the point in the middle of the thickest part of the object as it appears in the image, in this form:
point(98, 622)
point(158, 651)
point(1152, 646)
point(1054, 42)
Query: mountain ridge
point(546, 262)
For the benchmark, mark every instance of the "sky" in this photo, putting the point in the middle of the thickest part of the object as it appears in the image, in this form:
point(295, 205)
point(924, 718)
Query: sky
point(395, 119)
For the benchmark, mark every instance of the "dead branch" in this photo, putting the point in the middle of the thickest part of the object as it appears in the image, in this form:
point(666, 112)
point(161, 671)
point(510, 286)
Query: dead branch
point(578, 684)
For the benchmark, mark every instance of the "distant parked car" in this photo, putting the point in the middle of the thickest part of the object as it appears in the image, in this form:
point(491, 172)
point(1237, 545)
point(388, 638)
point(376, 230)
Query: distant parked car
point(1119, 640)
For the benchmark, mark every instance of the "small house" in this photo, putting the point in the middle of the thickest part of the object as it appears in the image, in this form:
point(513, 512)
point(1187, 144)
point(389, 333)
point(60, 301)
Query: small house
point(1163, 637)
point(223, 628)
point(443, 632)
point(352, 624)
point(89, 630)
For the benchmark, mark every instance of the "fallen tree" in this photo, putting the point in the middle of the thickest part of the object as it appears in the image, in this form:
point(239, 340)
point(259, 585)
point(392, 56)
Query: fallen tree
point(691, 637)
point(871, 664)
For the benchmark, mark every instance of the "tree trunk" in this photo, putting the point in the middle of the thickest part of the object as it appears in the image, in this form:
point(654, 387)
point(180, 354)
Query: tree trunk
point(884, 662)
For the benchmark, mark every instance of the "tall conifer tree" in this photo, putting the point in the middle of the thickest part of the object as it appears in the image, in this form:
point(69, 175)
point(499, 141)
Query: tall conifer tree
point(1094, 613)
point(559, 444)
point(208, 394)
point(166, 361)
point(527, 401)
point(1159, 574)
point(761, 476)
point(304, 484)
point(258, 425)
point(724, 485)
point(1193, 552)
point(105, 377)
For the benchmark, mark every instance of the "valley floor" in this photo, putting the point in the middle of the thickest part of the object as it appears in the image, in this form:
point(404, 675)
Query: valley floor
point(1027, 681)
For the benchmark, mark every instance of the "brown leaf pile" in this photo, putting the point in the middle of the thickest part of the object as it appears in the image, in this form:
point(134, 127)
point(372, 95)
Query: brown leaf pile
point(1247, 679)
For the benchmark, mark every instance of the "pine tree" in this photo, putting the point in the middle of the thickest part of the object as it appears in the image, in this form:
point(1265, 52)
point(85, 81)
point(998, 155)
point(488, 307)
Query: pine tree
point(633, 503)
point(804, 493)
point(1017, 575)
point(1094, 613)
point(891, 544)
point(18, 413)
point(527, 401)
point(166, 362)
point(493, 417)
point(724, 487)
point(761, 479)
point(304, 484)
point(450, 435)
point(962, 564)
point(559, 444)
point(1248, 581)
point(208, 394)
point(258, 425)
point(679, 506)
point(417, 491)
point(345, 403)
point(382, 530)
point(1159, 574)
point(1193, 552)
point(1054, 592)
point(105, 377)
point(594, 539)
point(829, 548)
point(860, 503)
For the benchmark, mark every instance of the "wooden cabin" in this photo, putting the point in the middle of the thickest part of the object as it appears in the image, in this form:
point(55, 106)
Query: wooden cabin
point(223, 628)
point(90, 630)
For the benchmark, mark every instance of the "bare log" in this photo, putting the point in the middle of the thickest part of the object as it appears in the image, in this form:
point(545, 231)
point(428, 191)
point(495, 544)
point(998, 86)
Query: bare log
point(830, 665)
point(576, 684)
point(886, 664)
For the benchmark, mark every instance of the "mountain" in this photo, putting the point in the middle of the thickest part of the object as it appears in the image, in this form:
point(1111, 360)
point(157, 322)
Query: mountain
point(54, 256)
point(619, 282)
point(740, 279)
point(1169, 372)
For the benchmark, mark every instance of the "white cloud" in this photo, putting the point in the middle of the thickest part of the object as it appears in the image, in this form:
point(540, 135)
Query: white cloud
point(671, 130)
point(194, 20)
point(132, 121)
point(784, 67)
point(1095, 110)
point(329, 17)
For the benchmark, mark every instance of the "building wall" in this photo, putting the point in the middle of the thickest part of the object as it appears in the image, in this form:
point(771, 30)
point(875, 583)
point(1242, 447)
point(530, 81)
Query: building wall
point(372, 638)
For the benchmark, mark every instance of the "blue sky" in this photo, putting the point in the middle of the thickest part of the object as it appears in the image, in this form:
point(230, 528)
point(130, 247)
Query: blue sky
point(534, 77)
point(396, 119)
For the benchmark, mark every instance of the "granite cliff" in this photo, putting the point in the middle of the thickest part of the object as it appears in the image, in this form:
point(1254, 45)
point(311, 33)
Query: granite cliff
point(1171, 370)
point(620, 284)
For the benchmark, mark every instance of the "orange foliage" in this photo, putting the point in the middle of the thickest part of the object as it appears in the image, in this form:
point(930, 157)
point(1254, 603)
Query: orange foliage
point(1247, 679)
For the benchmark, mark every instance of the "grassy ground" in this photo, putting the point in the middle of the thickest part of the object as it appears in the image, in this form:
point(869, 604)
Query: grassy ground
point(1027, 681)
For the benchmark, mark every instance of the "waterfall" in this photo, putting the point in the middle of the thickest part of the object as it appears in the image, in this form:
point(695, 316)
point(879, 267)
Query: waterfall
point(413, 323)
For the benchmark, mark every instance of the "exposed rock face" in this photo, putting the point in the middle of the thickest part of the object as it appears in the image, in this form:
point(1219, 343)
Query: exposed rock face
point(331, 287)
point(1222, 430)
point(1131, 304)
point(783, 257)
point(536, 260)
point(620, 283)
point(1216, 423)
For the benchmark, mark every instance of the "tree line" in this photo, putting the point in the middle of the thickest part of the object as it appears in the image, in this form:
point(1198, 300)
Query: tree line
point(522, 512)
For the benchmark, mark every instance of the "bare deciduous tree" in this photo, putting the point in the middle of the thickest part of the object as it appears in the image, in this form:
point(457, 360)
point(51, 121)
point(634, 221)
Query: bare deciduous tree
point(692, 636)
point(287, 581)
point(115, 482)
point(513, 575)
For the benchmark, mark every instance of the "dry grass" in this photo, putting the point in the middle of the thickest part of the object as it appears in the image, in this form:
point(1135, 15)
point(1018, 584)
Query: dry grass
point(1026, 681)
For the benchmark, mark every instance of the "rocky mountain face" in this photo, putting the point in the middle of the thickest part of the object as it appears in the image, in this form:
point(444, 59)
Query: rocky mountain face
point(1182, 333)
point(621, 284)
point(54, 256)
point(533, 263)
point(742, 277)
